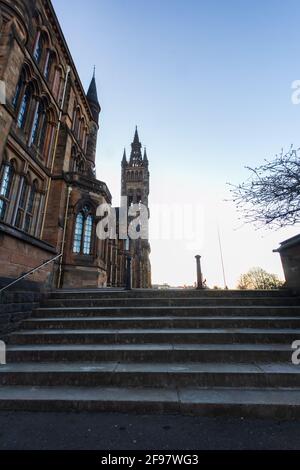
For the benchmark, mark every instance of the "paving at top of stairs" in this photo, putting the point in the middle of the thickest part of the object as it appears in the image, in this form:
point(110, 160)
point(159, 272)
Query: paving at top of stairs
point(169, 293)
point(102, 301)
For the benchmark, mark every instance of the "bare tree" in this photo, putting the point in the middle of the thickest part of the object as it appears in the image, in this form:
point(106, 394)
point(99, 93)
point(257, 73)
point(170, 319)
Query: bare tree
point(258, 278)
point(271, 195)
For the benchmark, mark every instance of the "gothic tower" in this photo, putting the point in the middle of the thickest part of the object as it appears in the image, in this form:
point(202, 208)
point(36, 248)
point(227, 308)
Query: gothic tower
point(92, 98)
point(135, 186)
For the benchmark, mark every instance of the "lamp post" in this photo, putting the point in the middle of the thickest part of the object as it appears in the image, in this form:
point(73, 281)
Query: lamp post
point(128, 265)
point(199, 273)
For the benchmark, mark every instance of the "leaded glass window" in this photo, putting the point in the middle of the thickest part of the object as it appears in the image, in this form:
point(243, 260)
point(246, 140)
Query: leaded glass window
point(48, 65)
point(30, 209)
point(35, 124)
point(83, 232)
point(5, 186)
point(38, 52)
point(25, 212)
point(24, 108)
point(87, 236)
point(43, 134)
point(22, 205)
point(78, 233)
point(18, 91)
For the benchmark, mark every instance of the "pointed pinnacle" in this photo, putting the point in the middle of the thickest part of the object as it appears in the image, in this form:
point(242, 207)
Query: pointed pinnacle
point(136, 135)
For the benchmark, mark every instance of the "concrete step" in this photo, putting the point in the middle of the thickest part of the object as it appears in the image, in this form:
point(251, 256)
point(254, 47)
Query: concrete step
point(166, 335)
point(154, 293)
point(161, 322)
point(208, 352)
point(171, 301)
point(168, 311)
point(238, 353)
point(151, 374)
point(262, 403)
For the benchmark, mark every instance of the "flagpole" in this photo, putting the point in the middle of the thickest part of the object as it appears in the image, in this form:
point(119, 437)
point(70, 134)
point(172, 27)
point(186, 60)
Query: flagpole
point(222, 259)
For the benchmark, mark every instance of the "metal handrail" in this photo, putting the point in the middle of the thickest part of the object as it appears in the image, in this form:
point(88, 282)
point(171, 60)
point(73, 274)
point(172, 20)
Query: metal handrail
point(31, 272)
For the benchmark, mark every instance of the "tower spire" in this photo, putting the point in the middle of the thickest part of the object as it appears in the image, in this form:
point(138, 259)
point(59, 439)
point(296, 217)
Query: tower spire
point(124, 160)
point(136, 149)
point(136, 136)
point(92, 97)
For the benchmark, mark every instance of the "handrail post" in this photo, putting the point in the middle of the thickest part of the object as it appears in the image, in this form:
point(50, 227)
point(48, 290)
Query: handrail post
point(128, 272)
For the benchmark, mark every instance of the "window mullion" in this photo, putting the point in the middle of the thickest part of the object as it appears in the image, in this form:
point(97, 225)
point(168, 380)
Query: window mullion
point(83, 235)
point(25, 207)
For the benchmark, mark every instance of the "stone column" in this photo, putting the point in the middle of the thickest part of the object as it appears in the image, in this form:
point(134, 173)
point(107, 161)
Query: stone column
point(199, 273)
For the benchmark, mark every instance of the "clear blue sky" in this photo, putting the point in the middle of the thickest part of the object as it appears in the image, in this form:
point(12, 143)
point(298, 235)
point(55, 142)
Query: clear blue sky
point(209, 85)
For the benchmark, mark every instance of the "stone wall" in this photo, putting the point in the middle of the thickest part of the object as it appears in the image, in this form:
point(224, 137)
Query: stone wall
point(18, 302)
point(19, 253)
point(289, 251)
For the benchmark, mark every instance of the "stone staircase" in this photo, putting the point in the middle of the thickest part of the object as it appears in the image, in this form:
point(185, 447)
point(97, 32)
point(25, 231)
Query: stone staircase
point(197, 352)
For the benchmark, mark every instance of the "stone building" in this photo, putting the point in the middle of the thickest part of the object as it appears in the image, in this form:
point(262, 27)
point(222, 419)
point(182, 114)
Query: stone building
point(135, 187)
point(49, 126)
point(289, 251)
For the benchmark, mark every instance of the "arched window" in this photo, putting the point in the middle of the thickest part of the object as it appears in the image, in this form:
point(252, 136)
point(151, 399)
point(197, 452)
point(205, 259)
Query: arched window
point(26, 206)
point(84, 137)
point(22, 204)
point(43, 131)
point(39, 48)
point(48, 64)
point(56, 88)
point(18, 90)
point(74, 116)
point(83, 233)
point(77, 123)
point(30, 208)
point(78, 233)
point(6, 179)
point(39, 111)
point(78, 164)
point(80, 124)
point(24, 106)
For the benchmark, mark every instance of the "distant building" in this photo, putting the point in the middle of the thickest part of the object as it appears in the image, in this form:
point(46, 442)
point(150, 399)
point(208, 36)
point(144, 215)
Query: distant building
point(135, 186)
point(161, 286)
